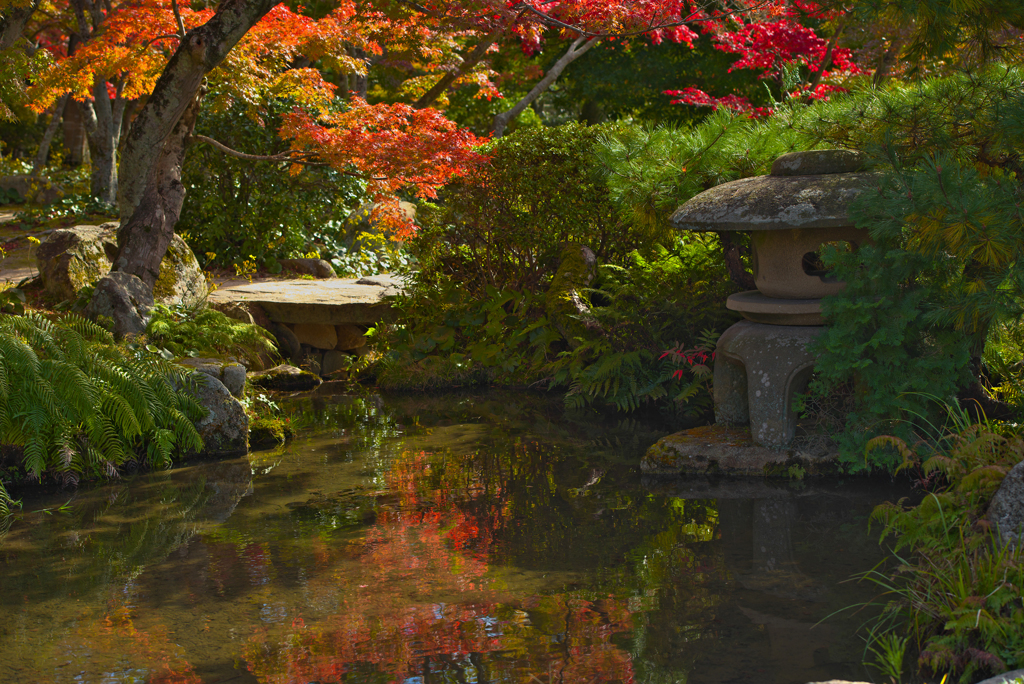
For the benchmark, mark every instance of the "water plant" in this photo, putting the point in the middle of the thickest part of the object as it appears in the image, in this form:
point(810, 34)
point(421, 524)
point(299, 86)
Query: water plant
point(957, 594)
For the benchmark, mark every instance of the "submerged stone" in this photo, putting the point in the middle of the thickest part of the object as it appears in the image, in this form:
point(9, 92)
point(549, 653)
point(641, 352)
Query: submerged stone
point(285, 378)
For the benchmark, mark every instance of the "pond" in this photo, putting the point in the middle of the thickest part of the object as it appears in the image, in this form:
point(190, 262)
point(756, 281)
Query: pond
point(471, 538)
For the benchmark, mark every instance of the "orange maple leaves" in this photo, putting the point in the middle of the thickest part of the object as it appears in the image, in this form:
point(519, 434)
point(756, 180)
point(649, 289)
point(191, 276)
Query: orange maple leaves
point(395, 146)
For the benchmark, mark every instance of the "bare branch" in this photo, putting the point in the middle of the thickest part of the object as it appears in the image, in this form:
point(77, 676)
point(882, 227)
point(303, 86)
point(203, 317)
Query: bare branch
point(579, 47)
point(290, 157)
point(471, 60)
point(177, 18)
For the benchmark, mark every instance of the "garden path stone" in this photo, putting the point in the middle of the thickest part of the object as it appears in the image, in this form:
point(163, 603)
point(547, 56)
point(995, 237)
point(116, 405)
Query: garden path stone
point(326, 302)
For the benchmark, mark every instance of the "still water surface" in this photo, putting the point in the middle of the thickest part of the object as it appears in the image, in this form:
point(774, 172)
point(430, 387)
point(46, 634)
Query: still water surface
point(463, 539)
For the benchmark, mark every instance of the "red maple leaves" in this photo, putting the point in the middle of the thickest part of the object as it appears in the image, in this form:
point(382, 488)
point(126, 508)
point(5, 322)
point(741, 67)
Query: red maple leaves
point(772, 46)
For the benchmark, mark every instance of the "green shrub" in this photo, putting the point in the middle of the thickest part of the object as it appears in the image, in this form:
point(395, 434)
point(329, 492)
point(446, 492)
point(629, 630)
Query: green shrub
point(238, 209)
point(505, 225)
point(670, 299)
point(75, 404)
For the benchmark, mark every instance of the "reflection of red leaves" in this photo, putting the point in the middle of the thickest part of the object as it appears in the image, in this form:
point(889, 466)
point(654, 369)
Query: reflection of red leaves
point(420, 596)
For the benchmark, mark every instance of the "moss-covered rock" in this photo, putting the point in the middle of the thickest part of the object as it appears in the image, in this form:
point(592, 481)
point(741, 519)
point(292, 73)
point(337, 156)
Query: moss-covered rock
point(181, 281)
point(285, 378)
point(267, 432)
point(564, 302)
point(719, 449)
point(225, 427)
point(71, 259)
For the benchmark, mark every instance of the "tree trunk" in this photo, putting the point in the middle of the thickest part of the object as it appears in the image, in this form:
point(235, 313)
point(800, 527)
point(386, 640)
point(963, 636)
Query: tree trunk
point(143, 239)
point(104, 117)
point(361, 82)
point(76, 140)
point(889, 59)
point(151, 194)
point(12, 23)
point(579, 47)
point(731, 254)
point(51, 130)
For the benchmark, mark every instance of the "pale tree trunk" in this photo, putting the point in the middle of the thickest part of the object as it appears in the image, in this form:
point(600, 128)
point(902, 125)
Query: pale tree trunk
point(579, 47)
point(150, 193)
point(75, 136)
point(51, 130)
point(103, 123)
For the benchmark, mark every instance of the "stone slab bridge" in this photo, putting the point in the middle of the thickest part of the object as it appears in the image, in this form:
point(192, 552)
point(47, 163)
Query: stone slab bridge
point(317, 322)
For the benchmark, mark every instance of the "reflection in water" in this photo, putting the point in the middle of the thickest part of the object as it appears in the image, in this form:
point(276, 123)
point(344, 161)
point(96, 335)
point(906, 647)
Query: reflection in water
point(458, 539)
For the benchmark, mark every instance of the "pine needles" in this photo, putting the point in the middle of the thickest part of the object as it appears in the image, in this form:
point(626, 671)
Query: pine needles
point(76, 404)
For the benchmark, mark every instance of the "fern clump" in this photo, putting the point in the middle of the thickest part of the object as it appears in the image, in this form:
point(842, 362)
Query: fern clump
point(209, 332)
point(76, 404)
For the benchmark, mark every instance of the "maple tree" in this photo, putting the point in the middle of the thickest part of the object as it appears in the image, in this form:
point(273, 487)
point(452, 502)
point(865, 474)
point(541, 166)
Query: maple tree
point(776, 46)
point(151, 58)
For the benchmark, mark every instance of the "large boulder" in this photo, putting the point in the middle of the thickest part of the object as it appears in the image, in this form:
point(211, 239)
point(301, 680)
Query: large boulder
point(32, 189)
point(121, 302)
point(70, 259)
point(225, 427)
point(1006, 510)
point(181, 280)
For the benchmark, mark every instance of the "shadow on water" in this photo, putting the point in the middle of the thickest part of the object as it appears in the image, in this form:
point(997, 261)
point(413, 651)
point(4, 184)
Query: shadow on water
point(461, 538)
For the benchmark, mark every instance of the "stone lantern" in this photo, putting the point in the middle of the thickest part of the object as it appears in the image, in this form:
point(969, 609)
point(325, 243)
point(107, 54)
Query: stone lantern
point(762, 361)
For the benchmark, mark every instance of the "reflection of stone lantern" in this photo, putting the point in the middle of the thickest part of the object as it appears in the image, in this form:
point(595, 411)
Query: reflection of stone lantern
point(762, 362)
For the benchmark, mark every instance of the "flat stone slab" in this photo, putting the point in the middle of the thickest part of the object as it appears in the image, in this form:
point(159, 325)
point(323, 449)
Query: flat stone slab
point(729, 450)
point(327, 302)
